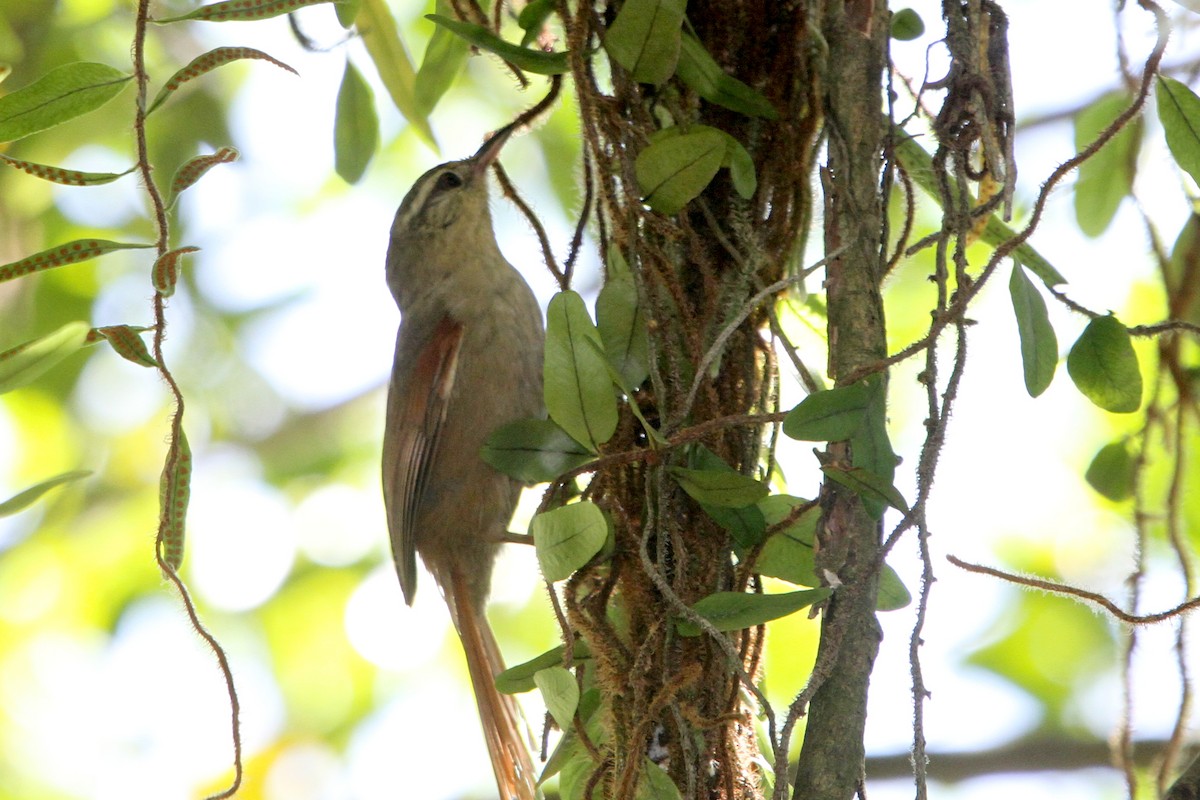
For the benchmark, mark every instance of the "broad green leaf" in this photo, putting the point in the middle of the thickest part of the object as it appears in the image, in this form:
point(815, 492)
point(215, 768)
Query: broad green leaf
point(574, 776)
point(444, 58)
point(732, 611)
point(1179, 111)
point(788, 553)
point(62, 94)
point(676, 168)
point(1104, 366)
point(1183, 272)
point(644, 38)
point(893, 595)
point(67, 177)
point(870, 444)
point(559, 692)
point(536, 61)
point(533, 17)
point(833, 415)
point(382, 39)
point(907, 25)
point(704, 75)
point(347, 10)
point(867, 485)
point(1112, 472)
point(578, 389)
point(519, 678)
point(23, 500)
point(207, 63)
point(25, 363)
point(534, 451)
point(745, 524)
point(1106, 178)
point(566, 538)
point(355, 126)
point(720, 488)
point(1039, 345)
point(569, 747)
point(655, 783)
point(243, 10)
point(741, 168)
point(919, 166)
point(621, 322)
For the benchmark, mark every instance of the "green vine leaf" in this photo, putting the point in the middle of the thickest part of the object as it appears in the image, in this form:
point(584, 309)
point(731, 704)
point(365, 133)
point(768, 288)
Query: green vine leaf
point(621, 321)
point(519, 678)
point(165, 272)
point(788, 553)
point(533, 17)
point(207, 63)
point(538, 62)
point(578, 390)
point(645, 38)
point(381, 37)
point(832, 415)
point(907, 25)
point(1179, 111)
point(243, 10)
point(1039, 344)
point(534, 451)
point(1113, 472)
point(355, 126)
point(1104, 366)
point(23, 500)
point(733, 611)
point(704, 75)
point(127, 343)
point(720, 488)
point(676, 167)
point(1106, 178)
point(347, 11)
point(25, 363)
point(566, 538)
point(60, 95)
point(69, 253)
point(195, 168)
point(444, 58)
point(175, 491)
point(867, 485)
point(66, 177)
point(560, 692)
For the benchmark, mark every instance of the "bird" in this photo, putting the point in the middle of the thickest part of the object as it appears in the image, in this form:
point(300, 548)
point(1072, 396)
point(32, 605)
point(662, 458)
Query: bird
point(468, 360)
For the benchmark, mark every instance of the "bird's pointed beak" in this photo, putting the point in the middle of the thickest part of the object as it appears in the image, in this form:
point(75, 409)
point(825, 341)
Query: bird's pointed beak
point(490, 149)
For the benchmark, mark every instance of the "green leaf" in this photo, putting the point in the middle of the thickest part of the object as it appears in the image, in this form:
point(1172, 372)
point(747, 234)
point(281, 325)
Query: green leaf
point(720, 488)
point(570, 749)
point(62, 94)
point(907, 25)
point(207, 63)
point(444, 58)
point(1179, 111)
point(533, 451)
point(655, 783)
point(126, 341)
point(893, 595)
point(578, 390)
point(574, 776)
point(867, 485)
point(644, 38)
point(1113, 471)
point(741, 168)
point(355, 126)
point(675, 168)
point(746, 524)
point(244, 10)
point(538, 62)
point(515, 680)
point(25, 363)
point(733, 611)
point(559, 692)
point(871, 445)
point(382, 39)
point(347, 10)
point(704, 75)
point(1183, 272)
point(1039, 345)
point(621, 322)
point(533, 17)
point(788, 553)
point(23, 500)
point(566, 538)
point(1106, 178)
point(832, 415)
point(1104, 366)
point(66, 177)
point(919, 166)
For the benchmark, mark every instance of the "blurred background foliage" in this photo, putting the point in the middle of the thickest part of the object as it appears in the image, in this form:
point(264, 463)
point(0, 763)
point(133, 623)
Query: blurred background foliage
point(104, 692)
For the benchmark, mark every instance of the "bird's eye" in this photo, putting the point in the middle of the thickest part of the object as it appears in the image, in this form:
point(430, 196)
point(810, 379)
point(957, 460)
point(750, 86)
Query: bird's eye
point(448, 180)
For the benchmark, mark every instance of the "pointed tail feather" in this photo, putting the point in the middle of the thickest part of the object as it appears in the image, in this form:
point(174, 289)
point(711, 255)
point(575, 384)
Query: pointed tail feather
point(498, 713)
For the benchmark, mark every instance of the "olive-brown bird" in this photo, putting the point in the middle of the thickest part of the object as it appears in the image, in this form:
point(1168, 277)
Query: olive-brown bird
point(468, 360)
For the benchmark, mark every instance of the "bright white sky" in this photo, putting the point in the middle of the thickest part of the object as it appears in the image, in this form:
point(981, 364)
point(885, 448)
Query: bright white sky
point(337, 342)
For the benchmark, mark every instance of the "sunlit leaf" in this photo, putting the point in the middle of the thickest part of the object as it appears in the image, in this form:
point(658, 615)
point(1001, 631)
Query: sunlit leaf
point(1106, 178)
point(67, 177)
point(1039, 345)
point(732, 611)
point(578, 388)
point(355, 126)
point(832, 415)
point(347, 11)
point(23, 500)
point(704, 75)
point(537, 61)
point(566, 538)
point(25, 363)
point(62, 94)
point(195, 168)
point(519, 678)
point(534, 450)
point(243, 10)
point(127, 343)
point(721, 488)
point(381, 37)
point(560, 693)
point(1113, 471)
point(165, 273)
point(1104, 366)
point(907, 25)
point(645, 38)
point(63, 254)
point(207, 63)
point(674, 169)
point(788, 553)
point(443, 60)
point(1179, 111)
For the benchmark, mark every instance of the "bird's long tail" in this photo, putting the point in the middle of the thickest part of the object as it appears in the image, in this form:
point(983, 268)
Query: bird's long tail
point(498, 713)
